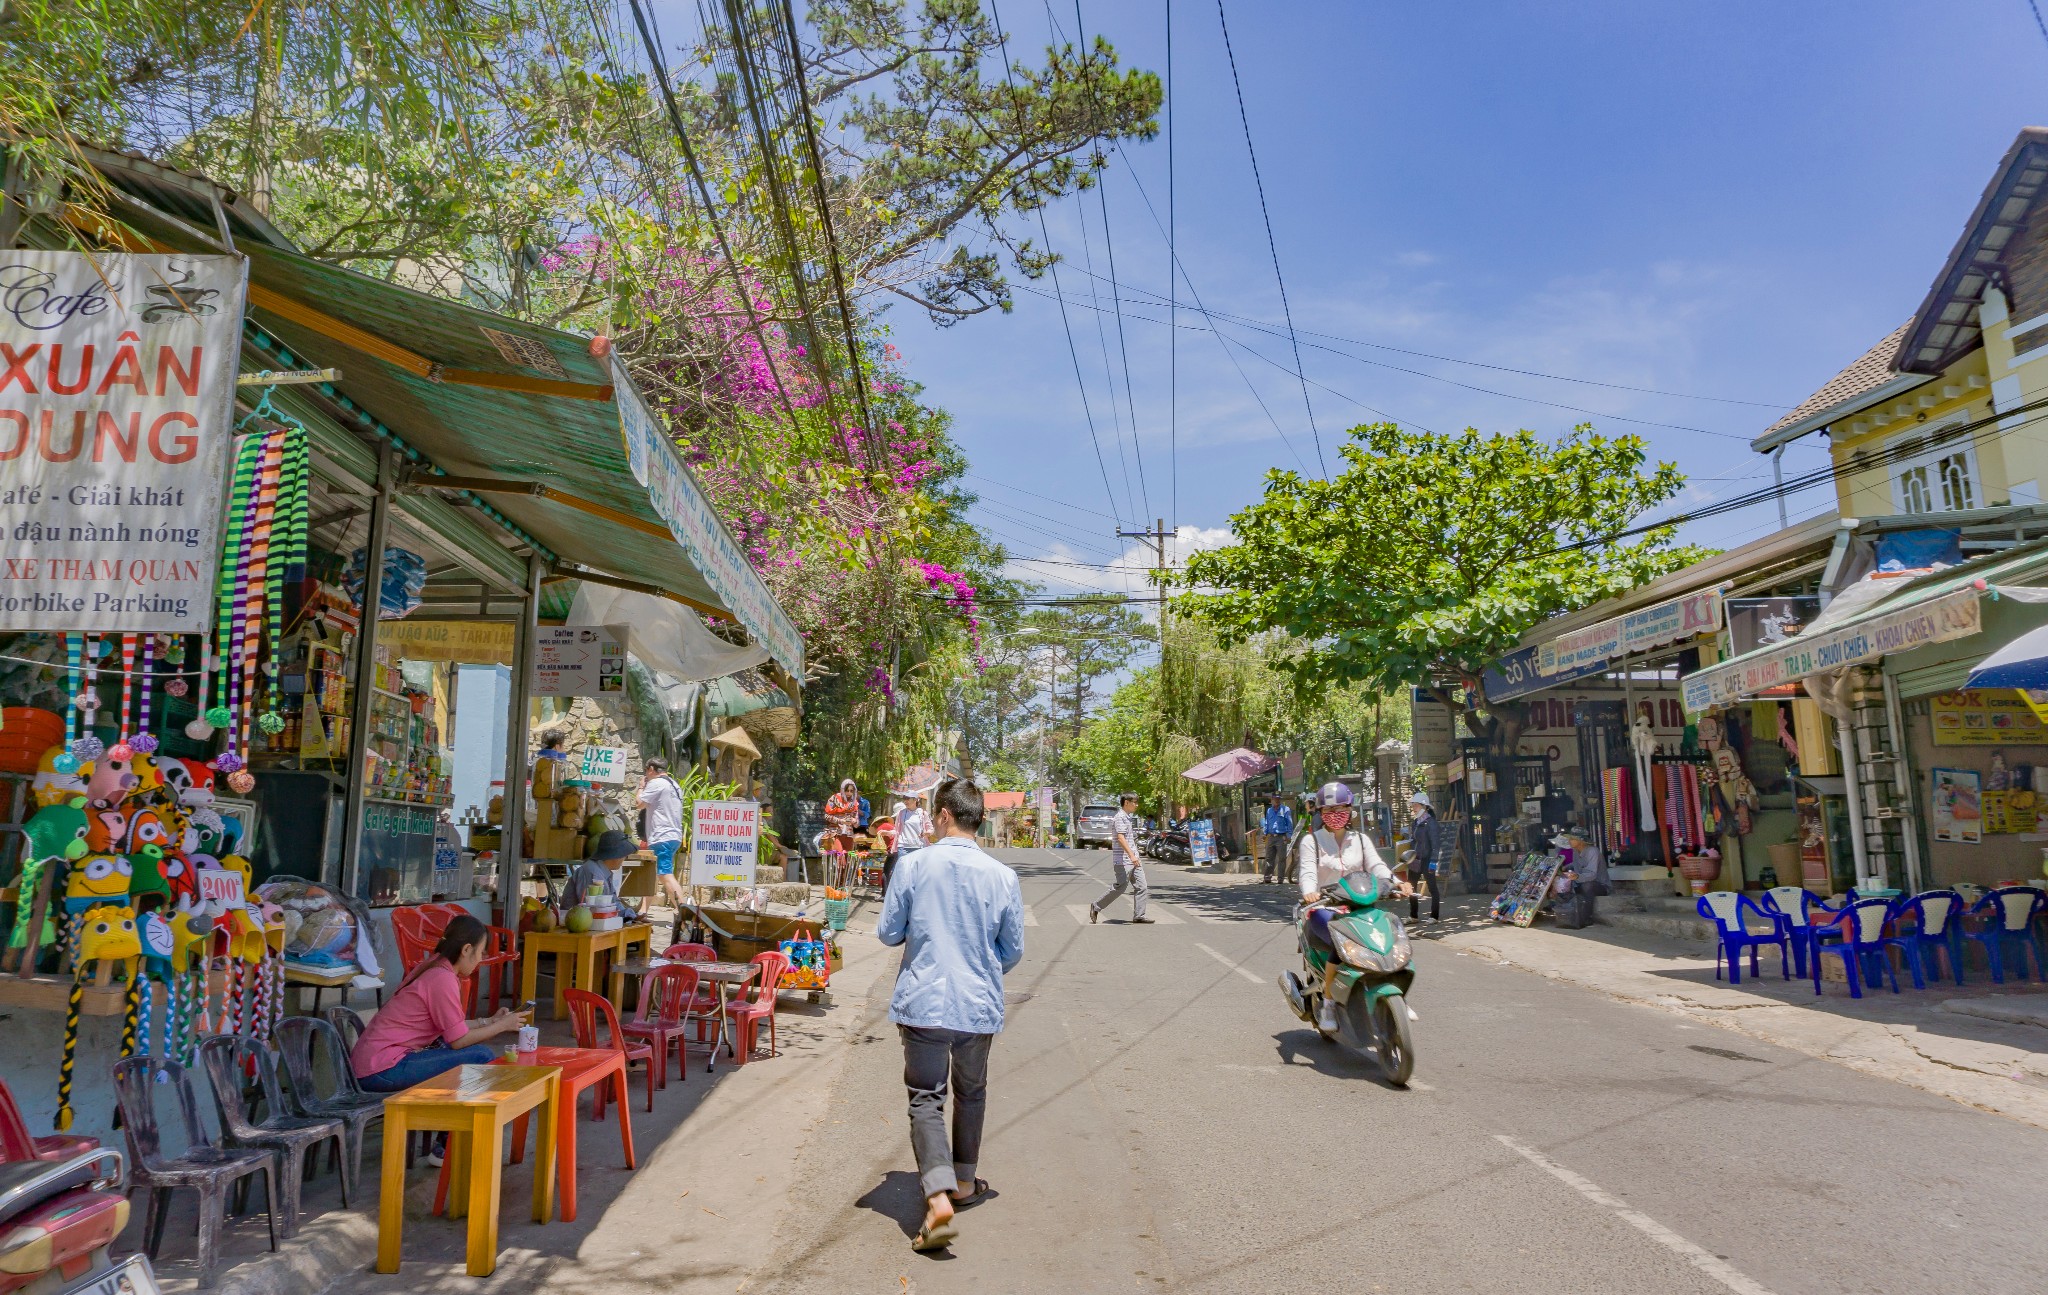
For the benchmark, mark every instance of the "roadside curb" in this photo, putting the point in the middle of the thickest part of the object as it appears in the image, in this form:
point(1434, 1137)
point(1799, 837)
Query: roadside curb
point(1987, 1062)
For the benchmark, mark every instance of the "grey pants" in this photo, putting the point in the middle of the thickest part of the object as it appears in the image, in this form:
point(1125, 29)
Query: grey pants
point(930, 1056)
point(1129, 877)
point(1276, 859)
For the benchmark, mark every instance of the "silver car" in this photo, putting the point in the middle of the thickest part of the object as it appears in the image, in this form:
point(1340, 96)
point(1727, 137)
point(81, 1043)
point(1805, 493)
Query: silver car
point(1095, 826)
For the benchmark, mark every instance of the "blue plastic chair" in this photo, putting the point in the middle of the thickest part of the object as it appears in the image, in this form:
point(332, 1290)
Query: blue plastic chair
point(1726, 909)
point(1863, 946)
point(1937, 930)
point(2008, 914)
point(1796, 909)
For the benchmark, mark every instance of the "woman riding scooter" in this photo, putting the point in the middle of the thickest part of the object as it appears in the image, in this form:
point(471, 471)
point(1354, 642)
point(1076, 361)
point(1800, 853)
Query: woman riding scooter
point(1325, 856)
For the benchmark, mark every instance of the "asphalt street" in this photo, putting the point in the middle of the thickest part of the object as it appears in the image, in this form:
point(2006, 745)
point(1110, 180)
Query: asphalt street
point(1159, 1121)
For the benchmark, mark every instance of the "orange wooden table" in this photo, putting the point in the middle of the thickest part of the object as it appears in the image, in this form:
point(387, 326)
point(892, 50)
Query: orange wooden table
point(472, 1104)
point(577, 956)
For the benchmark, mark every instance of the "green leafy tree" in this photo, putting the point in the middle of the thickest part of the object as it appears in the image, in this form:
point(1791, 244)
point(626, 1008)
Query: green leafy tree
point(1431, 554)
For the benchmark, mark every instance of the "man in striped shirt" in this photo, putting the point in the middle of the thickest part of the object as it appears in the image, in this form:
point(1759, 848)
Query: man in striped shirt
point(1128, 864)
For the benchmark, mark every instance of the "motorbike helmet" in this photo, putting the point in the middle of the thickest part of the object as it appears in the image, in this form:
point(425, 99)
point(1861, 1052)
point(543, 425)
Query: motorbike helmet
point(1333, 795)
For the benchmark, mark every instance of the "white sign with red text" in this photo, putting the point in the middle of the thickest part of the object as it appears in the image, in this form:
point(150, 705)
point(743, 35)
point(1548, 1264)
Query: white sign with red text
point(725, 840)
point(117, 383)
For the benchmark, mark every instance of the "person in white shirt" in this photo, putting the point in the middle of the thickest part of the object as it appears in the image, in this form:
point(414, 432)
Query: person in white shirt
point(663, 801)
point(1327, 855)
point(913, 832)
point(1126, 864)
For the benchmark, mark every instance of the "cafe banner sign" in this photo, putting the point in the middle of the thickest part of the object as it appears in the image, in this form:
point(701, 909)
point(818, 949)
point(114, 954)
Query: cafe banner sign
point(677, 498)
point(117, 384)
point(1638, 631)
point(465, 642)
point(1954, 615)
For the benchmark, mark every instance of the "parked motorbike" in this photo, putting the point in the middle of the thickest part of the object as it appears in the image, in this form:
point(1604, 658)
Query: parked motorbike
point(1373, 970)
point(57, 1219)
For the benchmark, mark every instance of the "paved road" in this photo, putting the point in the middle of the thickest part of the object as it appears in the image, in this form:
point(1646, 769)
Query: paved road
point(1160, 1122)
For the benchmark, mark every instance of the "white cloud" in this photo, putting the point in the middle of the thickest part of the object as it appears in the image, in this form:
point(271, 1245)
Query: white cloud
point(1065, 571)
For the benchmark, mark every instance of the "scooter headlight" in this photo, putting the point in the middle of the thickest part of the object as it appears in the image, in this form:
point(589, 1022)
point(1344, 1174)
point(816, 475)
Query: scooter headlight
point(1352, 952)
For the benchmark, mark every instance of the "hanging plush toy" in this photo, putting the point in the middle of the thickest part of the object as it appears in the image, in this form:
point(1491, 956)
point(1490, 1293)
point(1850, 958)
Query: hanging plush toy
point(106, 934)
point(191, 781)
point(56, 837)
point(168, 938)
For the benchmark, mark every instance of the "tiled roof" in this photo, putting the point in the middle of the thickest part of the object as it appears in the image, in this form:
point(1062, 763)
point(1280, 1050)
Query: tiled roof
point(1871, 371)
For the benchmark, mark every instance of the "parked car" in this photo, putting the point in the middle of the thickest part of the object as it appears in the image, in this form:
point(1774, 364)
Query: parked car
point(1093, 829)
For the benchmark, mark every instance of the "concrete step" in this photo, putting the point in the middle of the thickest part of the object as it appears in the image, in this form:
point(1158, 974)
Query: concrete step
point(1671, 925)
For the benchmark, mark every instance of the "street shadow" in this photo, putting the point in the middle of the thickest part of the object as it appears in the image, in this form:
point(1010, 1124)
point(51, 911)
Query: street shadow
point(899, 1198)
point(1305, 1047)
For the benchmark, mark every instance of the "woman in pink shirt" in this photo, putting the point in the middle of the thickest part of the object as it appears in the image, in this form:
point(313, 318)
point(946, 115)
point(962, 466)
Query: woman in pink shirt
point(421, 1032)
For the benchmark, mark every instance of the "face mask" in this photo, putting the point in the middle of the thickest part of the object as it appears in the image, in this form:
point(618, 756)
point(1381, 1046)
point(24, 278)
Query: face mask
point(1336, 818)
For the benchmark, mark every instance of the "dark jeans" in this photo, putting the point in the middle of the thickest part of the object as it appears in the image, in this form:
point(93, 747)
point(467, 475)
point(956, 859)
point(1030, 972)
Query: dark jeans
point(419, 1067)
point(929, 1056)
point(1436, 898)
point(1276, 859)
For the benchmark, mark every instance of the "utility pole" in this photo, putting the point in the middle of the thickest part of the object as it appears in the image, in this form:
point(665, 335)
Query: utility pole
point(1158, 535)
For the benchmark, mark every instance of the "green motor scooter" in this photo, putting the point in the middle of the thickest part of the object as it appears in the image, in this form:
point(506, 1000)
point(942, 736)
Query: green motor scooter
point(1373, 969)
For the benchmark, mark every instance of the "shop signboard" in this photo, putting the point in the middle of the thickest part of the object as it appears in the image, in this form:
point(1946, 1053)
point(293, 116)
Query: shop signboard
point(397, 858)
point(1762, 622)
point(1985, 717)
point(680, 503)
point(1515, 675)
point(1201, 842)
point(117, 384)
point(1291, 771)
point(1958, 806)
point(579, 661)
point(605, 764)
point(1430, 727)
point(1638, 631)
point(467, 642)
point(725, 840)
point(1953, 615)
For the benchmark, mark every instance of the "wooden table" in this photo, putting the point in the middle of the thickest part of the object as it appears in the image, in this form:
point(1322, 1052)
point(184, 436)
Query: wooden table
point(472, 1104)
point(724, 975)
point(581, 950)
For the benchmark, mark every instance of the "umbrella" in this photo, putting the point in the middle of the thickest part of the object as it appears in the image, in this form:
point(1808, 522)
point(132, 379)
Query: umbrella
point(2022, 663)
point(919, 780)
point(1231, 768)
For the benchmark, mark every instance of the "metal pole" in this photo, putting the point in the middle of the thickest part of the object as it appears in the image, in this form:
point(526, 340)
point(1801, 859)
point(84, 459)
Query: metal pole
point(365, 681)
point(1903, 781)
point(1778, 477)
point(512, 831)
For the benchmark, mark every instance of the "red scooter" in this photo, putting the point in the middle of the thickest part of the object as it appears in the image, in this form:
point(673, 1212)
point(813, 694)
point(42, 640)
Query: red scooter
point(57, 1220)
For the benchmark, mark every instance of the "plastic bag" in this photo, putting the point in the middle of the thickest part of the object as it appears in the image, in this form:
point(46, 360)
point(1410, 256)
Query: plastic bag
point(405, 577)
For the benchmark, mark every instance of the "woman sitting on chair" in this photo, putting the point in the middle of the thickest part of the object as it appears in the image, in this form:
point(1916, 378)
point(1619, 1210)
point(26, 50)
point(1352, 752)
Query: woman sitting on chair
point(422, 1032)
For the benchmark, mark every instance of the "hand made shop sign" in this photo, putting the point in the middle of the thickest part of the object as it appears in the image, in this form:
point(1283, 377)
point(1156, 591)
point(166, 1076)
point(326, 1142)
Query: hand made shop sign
point(725, 840)
point(1638, 631)
point(117, 380)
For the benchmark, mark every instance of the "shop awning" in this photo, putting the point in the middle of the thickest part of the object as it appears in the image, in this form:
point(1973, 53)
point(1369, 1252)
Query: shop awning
point(526, 418)
point(1231, 767)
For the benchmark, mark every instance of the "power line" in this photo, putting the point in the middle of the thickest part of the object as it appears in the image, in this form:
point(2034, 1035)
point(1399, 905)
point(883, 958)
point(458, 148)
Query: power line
point(1172, 284)
point(1272, 247)
point(1003, 46)
point(1004, 485)
point(2037, 19)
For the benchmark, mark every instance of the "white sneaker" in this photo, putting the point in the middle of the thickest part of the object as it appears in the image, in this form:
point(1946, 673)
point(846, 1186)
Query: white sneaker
point(1326, 1017)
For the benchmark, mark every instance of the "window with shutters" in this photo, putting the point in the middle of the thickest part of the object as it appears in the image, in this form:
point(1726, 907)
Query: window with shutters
point(1939, 478)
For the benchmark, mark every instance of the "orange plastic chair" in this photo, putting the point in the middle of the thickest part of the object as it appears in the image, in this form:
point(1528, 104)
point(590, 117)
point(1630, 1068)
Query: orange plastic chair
point(501, 949)
point(758, 1005)
point(667, 1002)
point(585, 1011)
point(414, 949)
point(582, 1070)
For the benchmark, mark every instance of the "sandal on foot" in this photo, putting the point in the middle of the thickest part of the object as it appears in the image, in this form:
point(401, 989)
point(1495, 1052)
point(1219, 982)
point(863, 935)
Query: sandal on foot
point(934, 1236)
point(982, 1191)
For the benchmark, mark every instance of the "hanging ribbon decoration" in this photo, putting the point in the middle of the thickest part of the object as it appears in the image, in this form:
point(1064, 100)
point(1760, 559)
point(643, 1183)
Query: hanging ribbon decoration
point(143, 740)
point(70, 1053)
point(74, 642)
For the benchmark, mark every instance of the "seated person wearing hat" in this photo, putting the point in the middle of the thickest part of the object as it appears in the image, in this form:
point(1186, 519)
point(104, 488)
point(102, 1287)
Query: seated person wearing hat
point(602, 869)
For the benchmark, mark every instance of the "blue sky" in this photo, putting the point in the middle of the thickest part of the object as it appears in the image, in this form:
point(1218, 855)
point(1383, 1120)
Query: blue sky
point(1729, 200)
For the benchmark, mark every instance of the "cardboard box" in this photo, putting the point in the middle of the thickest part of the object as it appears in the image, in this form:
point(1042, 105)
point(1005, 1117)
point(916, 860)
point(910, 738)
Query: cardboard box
point(545, 814)
point(557, 843)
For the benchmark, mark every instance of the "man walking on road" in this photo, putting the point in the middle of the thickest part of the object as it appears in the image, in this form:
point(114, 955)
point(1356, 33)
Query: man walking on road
point(663, 801)
point(1277, 827)
point(1423, 837)
point(960, 916)
point(1128, 864)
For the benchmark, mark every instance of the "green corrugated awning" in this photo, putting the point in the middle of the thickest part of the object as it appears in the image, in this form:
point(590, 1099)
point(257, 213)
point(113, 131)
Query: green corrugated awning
point(522, 415)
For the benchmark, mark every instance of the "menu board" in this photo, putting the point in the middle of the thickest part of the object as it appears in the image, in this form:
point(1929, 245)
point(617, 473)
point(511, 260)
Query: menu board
point(1985, 717)
point(579, 661)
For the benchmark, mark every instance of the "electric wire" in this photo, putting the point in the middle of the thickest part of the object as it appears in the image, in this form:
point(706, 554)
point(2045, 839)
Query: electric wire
point(1172, 286)
point(1073, 353)
point(1004, 485)
point(1272, 247)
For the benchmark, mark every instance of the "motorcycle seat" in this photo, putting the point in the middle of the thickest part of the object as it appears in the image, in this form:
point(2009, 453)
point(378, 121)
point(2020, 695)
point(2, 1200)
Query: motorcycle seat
point(25, 1184)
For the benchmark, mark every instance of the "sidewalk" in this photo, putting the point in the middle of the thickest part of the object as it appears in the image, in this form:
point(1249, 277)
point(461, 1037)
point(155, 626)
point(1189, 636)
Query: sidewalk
point(717, 1169)
point(1983, 1045)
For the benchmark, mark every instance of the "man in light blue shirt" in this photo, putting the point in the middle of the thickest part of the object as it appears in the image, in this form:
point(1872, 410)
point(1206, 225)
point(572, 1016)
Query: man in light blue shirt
point(960, 916)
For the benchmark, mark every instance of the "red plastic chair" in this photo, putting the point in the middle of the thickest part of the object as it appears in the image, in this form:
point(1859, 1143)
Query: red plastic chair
point(690, 953)
point(17, 1143)
point(582, 1070)
point(758, 1005)
point(413, 950)
point(501, 948)
point(668, 1000)
point(585, 1011)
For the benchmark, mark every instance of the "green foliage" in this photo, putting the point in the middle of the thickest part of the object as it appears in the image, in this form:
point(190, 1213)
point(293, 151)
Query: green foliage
point(1431, 555)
